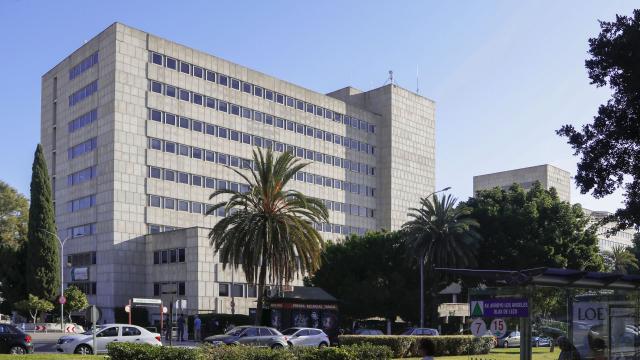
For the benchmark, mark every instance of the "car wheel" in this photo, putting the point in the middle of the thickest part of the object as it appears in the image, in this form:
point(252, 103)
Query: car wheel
point(277, 346)
point(323, 344)
point(505, 345)
point(83, 350)
point(17, 350)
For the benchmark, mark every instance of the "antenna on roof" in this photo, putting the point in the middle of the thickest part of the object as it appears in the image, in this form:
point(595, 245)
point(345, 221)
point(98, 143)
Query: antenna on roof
point(417, 80)
point(390, 78)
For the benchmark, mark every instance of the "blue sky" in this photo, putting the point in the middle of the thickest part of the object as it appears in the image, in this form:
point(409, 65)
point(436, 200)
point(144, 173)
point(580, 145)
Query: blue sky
point(504, 74)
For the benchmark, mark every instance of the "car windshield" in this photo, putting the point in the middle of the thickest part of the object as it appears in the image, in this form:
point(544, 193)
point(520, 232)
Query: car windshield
point(235, 331)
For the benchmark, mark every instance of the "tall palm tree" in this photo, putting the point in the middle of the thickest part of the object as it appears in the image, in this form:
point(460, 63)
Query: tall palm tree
point(619, 259)
point(269, 230)
point(442, 234)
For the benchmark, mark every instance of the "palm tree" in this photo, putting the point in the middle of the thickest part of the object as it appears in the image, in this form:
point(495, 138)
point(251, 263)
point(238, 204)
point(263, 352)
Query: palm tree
point(619, 259)
point(442, 234)
point(269, 230)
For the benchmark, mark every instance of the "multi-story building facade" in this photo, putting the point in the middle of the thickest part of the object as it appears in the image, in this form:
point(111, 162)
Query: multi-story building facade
point(552, 177)
point(138, 131)
point(549, 177)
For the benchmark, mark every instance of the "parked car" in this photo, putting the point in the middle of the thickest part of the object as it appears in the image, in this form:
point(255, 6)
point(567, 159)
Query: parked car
point(370, 332)
point(538, 341)
point(250, 335)
point(306, 337)
point(14, 341)
point(108, 333)
point(512, 339)
point(421, 332)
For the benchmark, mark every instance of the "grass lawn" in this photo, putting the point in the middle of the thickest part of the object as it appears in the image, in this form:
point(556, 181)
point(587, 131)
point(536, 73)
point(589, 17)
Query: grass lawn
point(43, 356)
point(541, 353)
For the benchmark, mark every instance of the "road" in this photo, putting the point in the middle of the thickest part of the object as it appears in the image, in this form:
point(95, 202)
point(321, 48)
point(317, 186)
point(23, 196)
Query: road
point(46, 342)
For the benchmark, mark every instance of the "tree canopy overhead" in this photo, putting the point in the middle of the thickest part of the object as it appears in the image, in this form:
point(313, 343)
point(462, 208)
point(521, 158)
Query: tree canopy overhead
point(609, 147)
point(529, 229)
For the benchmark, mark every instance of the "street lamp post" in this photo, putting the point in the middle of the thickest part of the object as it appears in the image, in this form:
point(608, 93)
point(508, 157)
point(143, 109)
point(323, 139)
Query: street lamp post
point(422, 260)
point(61, 242)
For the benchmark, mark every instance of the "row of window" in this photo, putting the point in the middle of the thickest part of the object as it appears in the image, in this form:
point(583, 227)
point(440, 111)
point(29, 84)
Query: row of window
point(261, 117)
point(82, 259)
point(82, 176)
point(89, 288)
point(237, 290)
point(200, 208)
point(83, 66)
point(81, 230)
point(83, 93)
point(82, 203)
point(83, 120)
point(261, 92)
point(169, 288)
point(155, 228)
point(82, 148)
point(335, 183)
point(207, 155)
point(169, 256)
point(219, 184)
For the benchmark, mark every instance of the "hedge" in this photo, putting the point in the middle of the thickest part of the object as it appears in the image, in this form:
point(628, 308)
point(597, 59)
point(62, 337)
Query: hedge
point(128, 351)
point(409, 346)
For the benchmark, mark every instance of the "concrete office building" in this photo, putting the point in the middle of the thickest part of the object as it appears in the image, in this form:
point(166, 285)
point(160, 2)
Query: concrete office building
point(137, 131)
point(549, 177)
point(552, 177)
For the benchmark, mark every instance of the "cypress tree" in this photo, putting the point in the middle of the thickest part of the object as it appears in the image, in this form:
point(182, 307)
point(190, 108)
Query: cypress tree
point(43, 260)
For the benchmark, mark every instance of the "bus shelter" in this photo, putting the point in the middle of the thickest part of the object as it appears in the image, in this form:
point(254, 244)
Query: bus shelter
point(601, 310)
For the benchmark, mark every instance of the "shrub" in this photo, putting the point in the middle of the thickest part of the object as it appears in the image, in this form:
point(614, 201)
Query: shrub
point(407, 346)
point(350, 352)
point(129, 351)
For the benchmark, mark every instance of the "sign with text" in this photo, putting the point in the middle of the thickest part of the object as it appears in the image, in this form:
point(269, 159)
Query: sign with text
point(511, 307)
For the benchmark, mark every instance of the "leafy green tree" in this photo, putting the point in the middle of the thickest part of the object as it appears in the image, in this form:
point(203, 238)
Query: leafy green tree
point(43, 259)
point(76, 300)
point(371, 276)
point(441, 234)
point(620, 260)
point(14, 215)
point(609, 147)
point(34, 305)
point(269, 230)
point(530, 229)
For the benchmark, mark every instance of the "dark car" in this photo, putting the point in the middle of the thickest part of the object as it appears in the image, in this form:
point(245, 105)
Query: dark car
point(250, 335)
point(14, 341)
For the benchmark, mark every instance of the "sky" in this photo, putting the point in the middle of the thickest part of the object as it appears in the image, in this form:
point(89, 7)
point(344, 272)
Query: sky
point(504, 74)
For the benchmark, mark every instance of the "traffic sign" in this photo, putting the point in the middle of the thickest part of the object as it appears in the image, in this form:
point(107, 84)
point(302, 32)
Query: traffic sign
point(500, 307)
point(62, 300)
point(146, 301)
point(498, 328)
point(127, 308)
point(478, 327)
point(93, 314)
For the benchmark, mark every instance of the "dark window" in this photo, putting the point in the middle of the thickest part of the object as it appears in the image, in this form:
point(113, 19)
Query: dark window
point(235, 84)
point(268, 119)
point(257, 91)
point(156, 87)
point(198, 72)
point(156, 115)
point(309, 131)
point(210, 183)
point(169, 119)
point(300, 105)
point(209, 156)
point(181, 257)
point(246, 113)
point(223, 289)
point(181, 289)
point(319, 111)
point(184, 123)
point(155, 201)
point(130, 331)
point(234, 135)
point(156, 257)
point(184, 95)
point(235, 109)
point(280, 123)
point(196, 125)
point(300, 128)
point(211, 76)
point(170, 147)
point(237, 290)
point(223, 80)
point(210, 102)
point(222, 132)
point(169, 203)
point(173, 256)
point(196, 180)
point(108, 332)
point(291, 102)
point(183, 150)
point(246, 138)
point(185, 67)
point(170, 90)
point(210, 129)
point(172, 63)
point(268, 94)
point(291, 126)
point(309, 107)
point(155, 172)
point(258, 116)
point(246, 87)
point(197, 99)
point(183, 178)
point(222, 106)
point(280, 98)
point(156, 58)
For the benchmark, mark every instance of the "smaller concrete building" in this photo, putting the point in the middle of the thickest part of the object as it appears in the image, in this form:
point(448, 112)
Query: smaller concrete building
point(549, 176)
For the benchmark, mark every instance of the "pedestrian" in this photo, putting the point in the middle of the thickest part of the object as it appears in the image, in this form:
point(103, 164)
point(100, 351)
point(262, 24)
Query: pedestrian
point(181, 327)
point(167, 333)
point(196, 328)
point(567, 350)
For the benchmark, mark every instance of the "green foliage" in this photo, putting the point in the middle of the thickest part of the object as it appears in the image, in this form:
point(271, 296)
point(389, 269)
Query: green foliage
point(14, 216)
point(620, 260)
point(269, 230)
point(128, 351)
point(34, 305)
point(409, 346)
point(523, 230)
point(76, 300)
point(43, 258)
point(609, 148)
point(367, 273)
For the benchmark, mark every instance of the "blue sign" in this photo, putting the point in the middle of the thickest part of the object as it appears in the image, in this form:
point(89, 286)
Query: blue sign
point(500, 308)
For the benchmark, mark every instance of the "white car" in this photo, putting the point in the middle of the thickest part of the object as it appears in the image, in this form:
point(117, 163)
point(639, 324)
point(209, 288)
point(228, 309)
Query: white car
point(299, 336)
point(106, 334)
